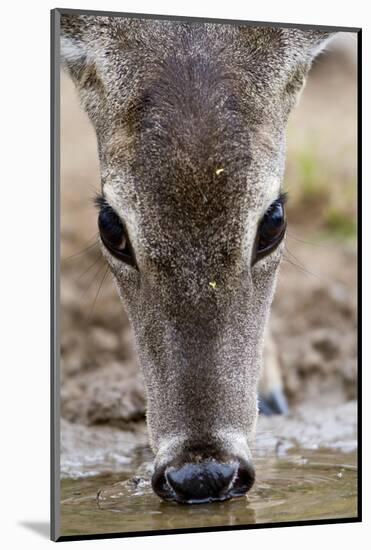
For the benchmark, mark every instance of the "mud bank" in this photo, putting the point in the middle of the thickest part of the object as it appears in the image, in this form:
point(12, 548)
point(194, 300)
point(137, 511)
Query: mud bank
point(91, 451)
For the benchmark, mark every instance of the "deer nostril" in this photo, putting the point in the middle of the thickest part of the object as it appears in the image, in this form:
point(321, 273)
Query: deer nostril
point(202, 482)
point(244, 480)
point(161, 486)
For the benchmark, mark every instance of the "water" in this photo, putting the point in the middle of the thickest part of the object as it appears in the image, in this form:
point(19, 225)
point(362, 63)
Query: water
point(301, 485)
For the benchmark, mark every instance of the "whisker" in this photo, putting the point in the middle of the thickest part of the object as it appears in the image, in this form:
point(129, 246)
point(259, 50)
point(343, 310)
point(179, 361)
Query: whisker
point(299, 263)
point(94, 189)
point(97, 294)
point(89, 268)
point(84, 250)
point(96, 274)
point(312, 243)
point(288, 261)
point(295, 257)
point(304, 269)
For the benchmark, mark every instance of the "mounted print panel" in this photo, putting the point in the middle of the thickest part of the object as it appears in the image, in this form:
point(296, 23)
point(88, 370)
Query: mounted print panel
point(205, 201)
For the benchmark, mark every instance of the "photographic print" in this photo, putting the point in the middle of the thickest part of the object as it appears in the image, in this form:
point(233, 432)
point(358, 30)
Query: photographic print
point(205, 201)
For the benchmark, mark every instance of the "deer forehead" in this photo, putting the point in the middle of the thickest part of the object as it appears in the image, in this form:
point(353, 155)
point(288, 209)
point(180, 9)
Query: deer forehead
point(195, 186)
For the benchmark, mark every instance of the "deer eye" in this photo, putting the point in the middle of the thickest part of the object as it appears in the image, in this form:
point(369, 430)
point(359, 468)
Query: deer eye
point(271, 229)
point(113, 233)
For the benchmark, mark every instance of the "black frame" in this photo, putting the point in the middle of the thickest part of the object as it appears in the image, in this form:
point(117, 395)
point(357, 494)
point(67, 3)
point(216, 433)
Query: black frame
point(55, 277)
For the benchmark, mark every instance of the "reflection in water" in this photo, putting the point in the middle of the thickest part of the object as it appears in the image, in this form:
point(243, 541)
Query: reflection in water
point(303, 485)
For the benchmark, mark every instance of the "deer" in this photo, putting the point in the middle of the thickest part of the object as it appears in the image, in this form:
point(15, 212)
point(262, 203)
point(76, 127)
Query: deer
point(190, 121)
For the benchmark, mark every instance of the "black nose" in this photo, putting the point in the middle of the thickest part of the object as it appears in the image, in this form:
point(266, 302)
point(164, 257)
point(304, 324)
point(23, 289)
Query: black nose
point(197, 483)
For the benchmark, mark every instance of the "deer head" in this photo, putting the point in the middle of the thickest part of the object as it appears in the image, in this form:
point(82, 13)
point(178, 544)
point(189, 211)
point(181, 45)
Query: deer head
point(190, 121)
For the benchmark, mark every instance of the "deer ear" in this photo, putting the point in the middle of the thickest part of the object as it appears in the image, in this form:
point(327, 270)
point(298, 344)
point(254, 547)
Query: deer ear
point(74, 47)
point(303, 46)
point(309, 43)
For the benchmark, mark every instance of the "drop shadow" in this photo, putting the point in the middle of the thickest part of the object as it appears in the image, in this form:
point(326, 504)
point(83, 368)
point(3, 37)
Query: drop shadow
point(42, 528)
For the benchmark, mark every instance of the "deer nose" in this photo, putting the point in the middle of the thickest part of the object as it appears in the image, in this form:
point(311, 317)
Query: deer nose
point(203, 482)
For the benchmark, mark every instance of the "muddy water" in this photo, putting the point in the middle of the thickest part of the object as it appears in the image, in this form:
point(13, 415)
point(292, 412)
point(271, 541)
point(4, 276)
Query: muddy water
point(301, 485)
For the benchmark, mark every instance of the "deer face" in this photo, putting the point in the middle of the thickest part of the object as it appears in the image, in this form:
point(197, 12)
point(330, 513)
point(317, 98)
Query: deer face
point(190, 123)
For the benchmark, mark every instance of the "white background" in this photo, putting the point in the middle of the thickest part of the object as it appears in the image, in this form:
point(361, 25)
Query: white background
point(24, 288)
